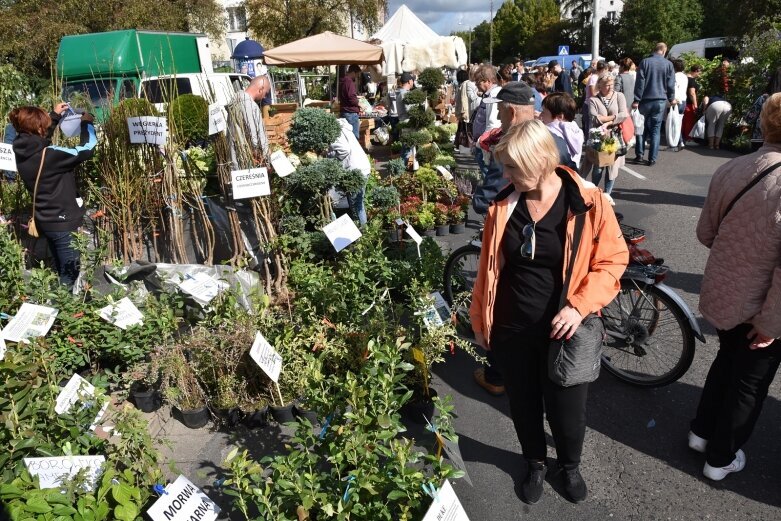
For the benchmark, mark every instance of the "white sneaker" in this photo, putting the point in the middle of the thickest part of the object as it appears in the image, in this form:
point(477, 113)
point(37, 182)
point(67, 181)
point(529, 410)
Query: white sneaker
point(719, 473)
point(697, 443)
point(609, 199)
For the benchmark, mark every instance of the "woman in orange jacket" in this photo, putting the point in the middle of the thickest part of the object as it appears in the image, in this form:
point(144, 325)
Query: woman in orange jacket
point(515, 302)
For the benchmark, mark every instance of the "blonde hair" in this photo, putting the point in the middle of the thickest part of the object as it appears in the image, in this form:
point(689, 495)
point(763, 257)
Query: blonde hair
point(770, 119)
point(529, 145)
point(604, 78)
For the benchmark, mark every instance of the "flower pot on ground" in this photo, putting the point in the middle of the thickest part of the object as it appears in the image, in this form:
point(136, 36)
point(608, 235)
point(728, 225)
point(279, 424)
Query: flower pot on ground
point(256, 419)
point(145, 399)
point(283, 413)
point(420, 407)
point(193, 418)
point(457, 228)
point(301, 411)
point(228, 417)
point(430, 233)
point(443, 229)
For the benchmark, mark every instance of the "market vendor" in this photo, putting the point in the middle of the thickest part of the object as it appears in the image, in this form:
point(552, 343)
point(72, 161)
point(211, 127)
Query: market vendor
point(245, 122)
point(348, 98)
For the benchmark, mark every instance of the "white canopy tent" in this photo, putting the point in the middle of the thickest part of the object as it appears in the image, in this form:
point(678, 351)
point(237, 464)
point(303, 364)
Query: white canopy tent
point(410, 45)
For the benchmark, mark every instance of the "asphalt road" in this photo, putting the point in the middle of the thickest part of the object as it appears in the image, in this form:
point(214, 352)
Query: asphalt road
point(635, 459)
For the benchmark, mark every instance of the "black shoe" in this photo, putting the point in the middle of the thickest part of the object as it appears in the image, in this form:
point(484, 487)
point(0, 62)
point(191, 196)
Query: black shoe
point(638, 159)
point(574, 485)
point(532, 485)
point(650, 163)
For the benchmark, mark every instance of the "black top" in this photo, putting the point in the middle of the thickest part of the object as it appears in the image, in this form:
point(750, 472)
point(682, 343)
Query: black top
point(691, 84)
point(529, 291)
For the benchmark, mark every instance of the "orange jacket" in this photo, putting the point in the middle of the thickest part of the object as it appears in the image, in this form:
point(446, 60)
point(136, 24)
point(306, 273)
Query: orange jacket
point(601, 259)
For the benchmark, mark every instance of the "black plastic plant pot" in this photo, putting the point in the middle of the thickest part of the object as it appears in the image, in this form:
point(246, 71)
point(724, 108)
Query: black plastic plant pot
point(229, 417)
point(457, 228)
point(145, 401)
point(443, 230)
point(303, 412)
point(420, 407)
point(256, 419)
point(430, 233)
point(283, 414)
point(194, 418)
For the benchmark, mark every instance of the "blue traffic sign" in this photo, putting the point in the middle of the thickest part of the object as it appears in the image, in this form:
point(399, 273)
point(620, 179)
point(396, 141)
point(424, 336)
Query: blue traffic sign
point(563, 50)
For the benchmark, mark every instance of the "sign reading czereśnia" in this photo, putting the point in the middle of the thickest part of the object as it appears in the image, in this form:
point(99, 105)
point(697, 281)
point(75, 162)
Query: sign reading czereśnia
point(250, 183)
point(148, 129)
point(7, 158)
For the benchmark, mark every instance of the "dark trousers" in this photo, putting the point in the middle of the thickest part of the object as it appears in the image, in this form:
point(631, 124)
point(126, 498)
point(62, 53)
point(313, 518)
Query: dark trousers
point(522, 356)
point(492, 373)
point(734, 392)
point(67, 259)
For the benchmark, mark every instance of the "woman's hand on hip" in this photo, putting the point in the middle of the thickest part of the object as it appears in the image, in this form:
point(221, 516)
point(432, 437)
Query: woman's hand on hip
point(759, 340)
point(565, 323)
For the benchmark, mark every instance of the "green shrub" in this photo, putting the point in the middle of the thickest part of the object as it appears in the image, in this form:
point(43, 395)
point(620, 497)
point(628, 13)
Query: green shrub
point(415, 97)
point(384, 197)
point(395, 147)
point(313, 130)
point(426, 154)
point(395, 167)
point(420, 117)
point(417, 138)
point(444, 133)
point(431, 79)
point(444, 160)
point(189, 118)
point(320, 176)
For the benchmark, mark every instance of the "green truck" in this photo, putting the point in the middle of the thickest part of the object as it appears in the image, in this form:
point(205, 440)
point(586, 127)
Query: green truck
point(110, 66)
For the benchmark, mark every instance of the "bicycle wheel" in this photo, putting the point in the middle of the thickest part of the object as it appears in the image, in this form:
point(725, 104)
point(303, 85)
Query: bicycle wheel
point(649, 340)
point(460, 275)
point(461, 271)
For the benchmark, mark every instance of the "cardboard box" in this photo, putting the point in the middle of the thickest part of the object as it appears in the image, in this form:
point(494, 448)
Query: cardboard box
point(600, 158)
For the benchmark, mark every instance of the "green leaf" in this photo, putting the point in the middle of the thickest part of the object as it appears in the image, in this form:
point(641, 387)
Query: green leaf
point(126, 512)
point(63, 510)
point(396, 494)
point(38, 505)
point(122, 493)
point(384, 421)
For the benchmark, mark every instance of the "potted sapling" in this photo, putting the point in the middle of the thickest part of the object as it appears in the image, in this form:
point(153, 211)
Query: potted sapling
point(456, 216)
point(441, 219)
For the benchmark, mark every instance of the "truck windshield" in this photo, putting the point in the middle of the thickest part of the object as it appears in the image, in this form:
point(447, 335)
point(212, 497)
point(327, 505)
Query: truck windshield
point(163, 90)
point(99, 92)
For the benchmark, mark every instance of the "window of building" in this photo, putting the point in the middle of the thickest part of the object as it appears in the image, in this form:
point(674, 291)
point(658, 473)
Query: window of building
point(611, 15)
point(237, 18)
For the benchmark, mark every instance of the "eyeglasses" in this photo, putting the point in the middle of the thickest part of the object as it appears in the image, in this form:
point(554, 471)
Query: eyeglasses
point(529, 241)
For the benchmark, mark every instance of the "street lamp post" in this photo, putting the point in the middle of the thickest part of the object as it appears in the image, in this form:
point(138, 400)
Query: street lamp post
point(595, 30)
point(491, 36)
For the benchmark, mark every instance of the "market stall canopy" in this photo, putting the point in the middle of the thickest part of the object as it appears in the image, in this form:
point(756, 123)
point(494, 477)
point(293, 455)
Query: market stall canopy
point(324, 49)
point(404, 26)
point(411, 45)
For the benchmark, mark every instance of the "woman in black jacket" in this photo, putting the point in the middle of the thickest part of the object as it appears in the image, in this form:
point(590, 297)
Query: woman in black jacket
point(58, 207)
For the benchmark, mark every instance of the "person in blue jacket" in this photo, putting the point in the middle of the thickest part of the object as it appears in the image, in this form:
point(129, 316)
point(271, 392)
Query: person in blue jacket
point(59, 209)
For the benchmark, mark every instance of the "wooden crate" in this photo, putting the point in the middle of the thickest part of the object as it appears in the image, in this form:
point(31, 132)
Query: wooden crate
point(277, 127)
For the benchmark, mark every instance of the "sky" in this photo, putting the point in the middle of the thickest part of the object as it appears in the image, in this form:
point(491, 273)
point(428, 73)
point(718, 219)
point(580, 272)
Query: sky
point(444, 16)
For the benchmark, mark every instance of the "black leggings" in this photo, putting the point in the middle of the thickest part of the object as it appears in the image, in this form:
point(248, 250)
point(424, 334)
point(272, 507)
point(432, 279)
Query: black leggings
point(522, 357)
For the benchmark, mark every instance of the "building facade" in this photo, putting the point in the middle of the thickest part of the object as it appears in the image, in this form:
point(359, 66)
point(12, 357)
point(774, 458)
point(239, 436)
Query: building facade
point(607, 9)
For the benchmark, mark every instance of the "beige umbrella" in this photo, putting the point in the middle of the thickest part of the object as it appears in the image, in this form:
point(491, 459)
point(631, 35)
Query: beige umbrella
point(324, 49)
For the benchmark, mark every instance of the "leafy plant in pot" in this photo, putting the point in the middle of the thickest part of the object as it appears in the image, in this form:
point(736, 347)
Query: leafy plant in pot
point(441, 219)
point(143, 387)
point(456, 216)
point(427, 219)
point(180, 387)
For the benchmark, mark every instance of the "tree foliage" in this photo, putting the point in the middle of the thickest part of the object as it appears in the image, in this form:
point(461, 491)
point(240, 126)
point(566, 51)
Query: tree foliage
point(30, 30)
point(524, 27)
point(644, 23)
point(735, 18)
point(282, 21)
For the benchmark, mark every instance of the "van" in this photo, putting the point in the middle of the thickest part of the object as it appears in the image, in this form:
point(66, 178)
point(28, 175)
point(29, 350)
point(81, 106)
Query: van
point(566, 60)
point(707, 48)
point(218, 87)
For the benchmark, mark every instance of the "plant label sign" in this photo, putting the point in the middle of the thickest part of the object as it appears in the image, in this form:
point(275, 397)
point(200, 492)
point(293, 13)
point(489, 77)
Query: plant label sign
point(216, 119)
point(342, 232)
point(438, 313)
point(53, 471)
point(202, 287)
point(7, 158)
point(250, 183)
point(282, 165)
point(266, 357)
point(183, 501)
point(445, 172)
point(148, 129)
point(122, 314)
point(2, 348)
point(453, 452)
point(30, 321)
point(446, 506)
point(78, 389)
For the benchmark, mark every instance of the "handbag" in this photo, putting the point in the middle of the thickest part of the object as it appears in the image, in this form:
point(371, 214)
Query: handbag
point(698, 131)
point(627, 130)
point(463, 134)
point(618, 135)
point(32, 229)
point(639, 122)
point(577, 360)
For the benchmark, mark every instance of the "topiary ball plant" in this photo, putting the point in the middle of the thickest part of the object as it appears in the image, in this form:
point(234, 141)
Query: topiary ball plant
point(420, 117)
point(415, 97)
point(431, 79)
point(416, 139)
point(395, 167)
point(189, 118)
point(384, 197)
point(313, 130)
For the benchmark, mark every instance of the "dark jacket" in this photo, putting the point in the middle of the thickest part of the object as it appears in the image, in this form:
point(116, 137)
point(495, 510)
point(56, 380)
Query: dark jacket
point(56, 207)
point(655, 79)
point(562, 83)
point(348, 96)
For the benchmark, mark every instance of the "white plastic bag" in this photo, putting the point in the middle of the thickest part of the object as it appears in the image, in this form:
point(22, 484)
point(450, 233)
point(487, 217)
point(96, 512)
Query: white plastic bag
point(698, 131)
point(639, 121)
point(673, 126)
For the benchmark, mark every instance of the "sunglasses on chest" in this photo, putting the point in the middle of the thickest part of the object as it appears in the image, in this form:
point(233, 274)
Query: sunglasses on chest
point(529, 241)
